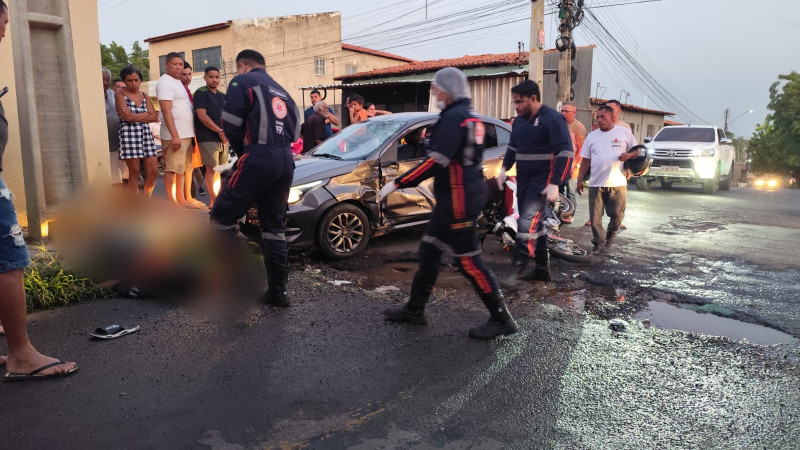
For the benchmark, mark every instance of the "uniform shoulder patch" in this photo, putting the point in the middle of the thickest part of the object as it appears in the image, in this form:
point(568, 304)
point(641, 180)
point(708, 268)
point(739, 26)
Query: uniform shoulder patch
point(234, 83)
point(279, 107)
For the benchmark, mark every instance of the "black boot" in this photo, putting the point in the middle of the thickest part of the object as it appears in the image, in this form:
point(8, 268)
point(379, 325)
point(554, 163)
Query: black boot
point(500, 322)
point(414, 310)
point(521, 272)
point(542, 270)
point(278, 277)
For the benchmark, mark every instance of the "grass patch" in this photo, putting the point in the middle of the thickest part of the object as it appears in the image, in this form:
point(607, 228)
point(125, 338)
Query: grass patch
point(48, 284)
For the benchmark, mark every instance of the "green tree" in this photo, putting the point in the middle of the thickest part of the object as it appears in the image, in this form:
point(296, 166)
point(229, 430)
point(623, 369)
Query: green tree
point(115, 57)
point(141, 59)
point(775, 145)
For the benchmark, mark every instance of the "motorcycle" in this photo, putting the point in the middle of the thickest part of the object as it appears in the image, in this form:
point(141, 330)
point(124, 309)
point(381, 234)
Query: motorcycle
point(501, 221)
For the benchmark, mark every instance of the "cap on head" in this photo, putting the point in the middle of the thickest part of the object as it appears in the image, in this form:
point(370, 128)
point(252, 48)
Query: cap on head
point(452, 81)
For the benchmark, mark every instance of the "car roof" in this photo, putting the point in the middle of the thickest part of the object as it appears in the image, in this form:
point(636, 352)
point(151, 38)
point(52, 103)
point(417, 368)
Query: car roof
point(416, 117)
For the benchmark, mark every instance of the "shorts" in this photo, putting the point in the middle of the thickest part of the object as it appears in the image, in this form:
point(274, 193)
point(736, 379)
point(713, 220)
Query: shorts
point(119, 170)
point(13, 250)
point(176, 161)
point(213, 153)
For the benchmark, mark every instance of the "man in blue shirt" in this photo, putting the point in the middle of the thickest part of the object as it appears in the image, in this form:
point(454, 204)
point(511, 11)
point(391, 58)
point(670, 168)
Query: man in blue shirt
point(331, 119)
point(541, 147)
point(260, 123)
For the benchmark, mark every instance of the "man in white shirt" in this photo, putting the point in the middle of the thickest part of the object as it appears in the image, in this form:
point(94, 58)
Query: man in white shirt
point(177, 128)
point(605, 150)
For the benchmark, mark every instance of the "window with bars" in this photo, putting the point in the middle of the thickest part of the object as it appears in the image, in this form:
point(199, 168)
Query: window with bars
point(319, 66)
point(204, 57)
point(162, 63)
point(350, 69)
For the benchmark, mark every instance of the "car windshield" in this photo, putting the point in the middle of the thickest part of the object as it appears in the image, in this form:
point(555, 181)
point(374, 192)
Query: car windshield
point(686, 135)
point(359, 140)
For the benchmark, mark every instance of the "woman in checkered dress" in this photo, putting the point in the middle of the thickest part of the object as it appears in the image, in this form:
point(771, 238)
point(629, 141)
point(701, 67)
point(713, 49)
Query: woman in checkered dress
point(135, 139)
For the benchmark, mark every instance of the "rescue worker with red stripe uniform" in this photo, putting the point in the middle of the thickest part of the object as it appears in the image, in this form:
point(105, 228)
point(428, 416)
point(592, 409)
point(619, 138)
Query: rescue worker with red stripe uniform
point(455, 147)
point(541, 147)
point(260, 122)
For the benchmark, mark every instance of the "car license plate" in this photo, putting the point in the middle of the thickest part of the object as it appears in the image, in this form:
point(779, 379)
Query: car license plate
point(670, 168)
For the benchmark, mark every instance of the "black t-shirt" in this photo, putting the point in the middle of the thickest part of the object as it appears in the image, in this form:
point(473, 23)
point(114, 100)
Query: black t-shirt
point(214, 104)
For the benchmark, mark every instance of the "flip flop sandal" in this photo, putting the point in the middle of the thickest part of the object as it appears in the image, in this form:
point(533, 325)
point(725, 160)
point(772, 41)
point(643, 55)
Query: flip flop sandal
point(10, 376)
point(113, 331)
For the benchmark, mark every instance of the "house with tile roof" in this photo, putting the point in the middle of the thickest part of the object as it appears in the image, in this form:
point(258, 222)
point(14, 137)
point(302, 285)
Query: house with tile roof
point(406, 87)
point(644, 122)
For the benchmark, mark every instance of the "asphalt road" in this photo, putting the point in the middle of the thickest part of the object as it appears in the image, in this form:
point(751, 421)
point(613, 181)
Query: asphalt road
point(330, 373)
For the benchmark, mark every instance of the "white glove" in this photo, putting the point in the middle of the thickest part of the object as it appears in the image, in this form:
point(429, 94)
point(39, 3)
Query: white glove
point(387, 189)
point(501, 179)
point(551, 192)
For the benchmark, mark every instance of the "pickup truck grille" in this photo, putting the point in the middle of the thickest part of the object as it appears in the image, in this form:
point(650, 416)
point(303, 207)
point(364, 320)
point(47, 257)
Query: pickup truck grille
point(682, 163)
point(672, 153)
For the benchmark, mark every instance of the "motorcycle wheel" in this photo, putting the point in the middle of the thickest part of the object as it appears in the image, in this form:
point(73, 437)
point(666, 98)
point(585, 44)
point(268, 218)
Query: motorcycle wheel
point(571, 253)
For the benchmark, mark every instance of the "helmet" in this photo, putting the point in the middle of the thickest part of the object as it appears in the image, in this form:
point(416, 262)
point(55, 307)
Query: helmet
point(639, 165)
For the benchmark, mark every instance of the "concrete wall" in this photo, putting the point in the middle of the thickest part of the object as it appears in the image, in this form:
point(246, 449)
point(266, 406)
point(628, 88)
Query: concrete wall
point(70, 64)
point(289, 44)
point(186, 45)
point(639, 122)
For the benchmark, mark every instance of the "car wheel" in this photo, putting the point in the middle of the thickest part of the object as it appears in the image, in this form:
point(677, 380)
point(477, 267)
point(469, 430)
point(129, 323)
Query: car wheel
point(725, 185)
point(642, 184)
point(343, 232)
point(711, 185)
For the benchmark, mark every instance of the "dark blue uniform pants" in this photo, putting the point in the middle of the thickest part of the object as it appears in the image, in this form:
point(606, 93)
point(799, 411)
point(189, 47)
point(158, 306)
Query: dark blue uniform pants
point(531, 233)
point(263, 178)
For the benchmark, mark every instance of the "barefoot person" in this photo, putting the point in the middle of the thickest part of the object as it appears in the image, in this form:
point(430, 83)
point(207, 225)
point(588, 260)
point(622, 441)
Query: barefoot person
point(23, 361)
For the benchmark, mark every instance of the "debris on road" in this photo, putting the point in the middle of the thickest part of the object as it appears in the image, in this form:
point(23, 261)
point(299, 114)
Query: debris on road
point(339, 282)
point(381, 289)
point(617, 324)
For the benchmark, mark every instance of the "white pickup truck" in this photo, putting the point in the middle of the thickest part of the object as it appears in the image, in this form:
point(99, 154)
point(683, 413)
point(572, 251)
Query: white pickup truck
point(690, 154)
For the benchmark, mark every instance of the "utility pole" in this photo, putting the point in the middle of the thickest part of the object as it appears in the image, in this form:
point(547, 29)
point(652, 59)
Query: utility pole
point(565, 57)
point(536, 56)
point(727, 114)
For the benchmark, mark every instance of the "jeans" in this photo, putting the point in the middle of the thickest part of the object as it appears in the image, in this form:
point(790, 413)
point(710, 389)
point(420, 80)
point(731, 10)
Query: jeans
point(13, 250)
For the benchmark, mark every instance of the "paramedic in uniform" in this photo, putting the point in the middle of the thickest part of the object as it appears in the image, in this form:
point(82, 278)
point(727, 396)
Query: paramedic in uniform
point(541, 147)
point(260, 123)
point(454, 161)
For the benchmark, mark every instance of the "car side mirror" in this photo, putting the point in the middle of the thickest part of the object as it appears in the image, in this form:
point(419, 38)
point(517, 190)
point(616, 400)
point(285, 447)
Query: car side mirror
point(648, 139)
point(726, 141)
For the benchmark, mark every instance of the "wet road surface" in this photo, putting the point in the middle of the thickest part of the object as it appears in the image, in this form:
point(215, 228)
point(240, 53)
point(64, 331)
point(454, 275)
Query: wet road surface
point(330, 373)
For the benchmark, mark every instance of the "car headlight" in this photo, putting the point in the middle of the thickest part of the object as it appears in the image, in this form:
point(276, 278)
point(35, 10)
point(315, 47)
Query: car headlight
point(759, 182)
point(704, 152)
point(297, 192)
point(651, 151)
point(772, 183)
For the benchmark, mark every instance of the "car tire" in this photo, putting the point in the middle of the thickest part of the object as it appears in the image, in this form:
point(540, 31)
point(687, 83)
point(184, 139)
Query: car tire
point(642, 184)
point(725, 185)
point(343, 232)
point(666, 185)
point(711, 185)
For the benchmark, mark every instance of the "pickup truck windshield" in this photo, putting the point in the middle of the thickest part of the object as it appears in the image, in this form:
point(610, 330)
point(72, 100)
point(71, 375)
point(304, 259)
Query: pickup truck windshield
point(686, 135)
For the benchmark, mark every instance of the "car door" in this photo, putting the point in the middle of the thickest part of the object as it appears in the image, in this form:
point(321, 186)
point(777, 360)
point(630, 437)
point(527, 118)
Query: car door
point(409, 205)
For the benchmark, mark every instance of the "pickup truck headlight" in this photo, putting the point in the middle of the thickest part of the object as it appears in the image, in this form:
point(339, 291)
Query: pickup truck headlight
point(296, 192)
point(705, 152)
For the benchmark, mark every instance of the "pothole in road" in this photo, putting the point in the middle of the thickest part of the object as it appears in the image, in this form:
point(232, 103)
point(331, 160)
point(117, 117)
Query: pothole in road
point(698, 319)
point(686, 224)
